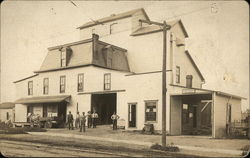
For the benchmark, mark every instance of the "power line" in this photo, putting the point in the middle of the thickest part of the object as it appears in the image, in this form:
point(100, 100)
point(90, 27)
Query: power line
point(124, 30)
point(96, 22)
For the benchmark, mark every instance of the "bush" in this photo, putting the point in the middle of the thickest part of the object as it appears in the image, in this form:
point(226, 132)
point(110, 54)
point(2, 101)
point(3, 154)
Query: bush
point(170, 147)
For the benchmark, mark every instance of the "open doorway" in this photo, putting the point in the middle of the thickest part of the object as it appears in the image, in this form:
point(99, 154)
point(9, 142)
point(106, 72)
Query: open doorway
point(196, 115)
point(105, 106)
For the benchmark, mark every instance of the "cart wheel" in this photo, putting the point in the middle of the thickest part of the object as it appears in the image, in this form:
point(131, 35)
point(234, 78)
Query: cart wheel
point(48, 124)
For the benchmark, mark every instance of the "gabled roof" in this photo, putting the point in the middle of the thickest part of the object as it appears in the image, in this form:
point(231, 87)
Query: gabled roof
point(155, 28)
point(195, 66)
point(7, 105)
point(114, 17)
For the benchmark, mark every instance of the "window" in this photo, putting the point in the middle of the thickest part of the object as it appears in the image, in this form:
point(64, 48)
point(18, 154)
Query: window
point(150, 111)
point(80, 82)
point(185, 113)
point(30, 88)
point(45, 86)
point(229, 113)
point(177, 74)
point(189, 79)
point(107, 81)
point(30, 109)
point(62, 84)
point(63, 58)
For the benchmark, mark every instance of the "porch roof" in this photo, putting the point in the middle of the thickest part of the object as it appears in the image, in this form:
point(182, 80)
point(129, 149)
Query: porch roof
point(43, 99)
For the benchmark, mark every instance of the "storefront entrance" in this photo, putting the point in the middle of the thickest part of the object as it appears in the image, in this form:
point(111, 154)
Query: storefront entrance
point(191, 114)
point(105, 106)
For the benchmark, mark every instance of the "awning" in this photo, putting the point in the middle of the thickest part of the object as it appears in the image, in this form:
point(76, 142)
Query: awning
point(43, 99)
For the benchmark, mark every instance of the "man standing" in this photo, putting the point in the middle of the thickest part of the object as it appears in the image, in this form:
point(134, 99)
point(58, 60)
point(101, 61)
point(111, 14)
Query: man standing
point(77, 122)
point(89, 119)
point(70, 120)
point(94, 119)
point(115, 117)
point(82, 121)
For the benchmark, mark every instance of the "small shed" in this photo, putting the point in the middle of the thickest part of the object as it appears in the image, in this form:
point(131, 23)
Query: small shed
point(7, 111)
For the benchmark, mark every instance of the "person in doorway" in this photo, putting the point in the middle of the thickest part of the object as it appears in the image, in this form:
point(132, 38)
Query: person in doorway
point(82, 122)
point(94, 118)
point(70, 121)
point(115, 117)
point(77, 121)
point(89, 117)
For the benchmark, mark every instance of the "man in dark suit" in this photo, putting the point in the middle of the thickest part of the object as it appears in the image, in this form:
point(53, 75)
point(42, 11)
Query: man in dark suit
point(70, 120)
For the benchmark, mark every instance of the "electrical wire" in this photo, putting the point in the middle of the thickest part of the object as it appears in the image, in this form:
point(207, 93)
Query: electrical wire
point(124, 30)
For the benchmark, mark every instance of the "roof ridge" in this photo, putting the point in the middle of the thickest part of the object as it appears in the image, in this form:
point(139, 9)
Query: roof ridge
point(113, 17)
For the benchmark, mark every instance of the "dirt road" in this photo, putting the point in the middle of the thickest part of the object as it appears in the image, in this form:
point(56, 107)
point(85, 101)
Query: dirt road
point(12, 148)
point(26, 149)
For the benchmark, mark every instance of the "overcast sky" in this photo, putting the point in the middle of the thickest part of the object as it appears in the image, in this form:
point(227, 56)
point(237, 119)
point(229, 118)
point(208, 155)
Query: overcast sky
point(218, 36)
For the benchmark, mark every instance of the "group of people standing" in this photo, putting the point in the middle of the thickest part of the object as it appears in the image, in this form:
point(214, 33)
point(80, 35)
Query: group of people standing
point(90, 118)
point(80, 121)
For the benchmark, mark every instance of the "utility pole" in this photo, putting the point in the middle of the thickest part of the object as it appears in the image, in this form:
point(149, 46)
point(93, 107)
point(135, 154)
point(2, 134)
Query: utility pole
point(164, 76)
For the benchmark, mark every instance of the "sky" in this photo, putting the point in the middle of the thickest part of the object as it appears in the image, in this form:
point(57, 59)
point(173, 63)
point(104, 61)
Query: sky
point(218, 36)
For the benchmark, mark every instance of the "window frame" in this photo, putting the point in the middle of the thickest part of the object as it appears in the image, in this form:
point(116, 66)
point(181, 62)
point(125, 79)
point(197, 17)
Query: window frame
point(156, 106)
point(30, 89)
point(80, 90)
point(60, 87)
point(108, 81)
point(45, 86)
point(178, 74)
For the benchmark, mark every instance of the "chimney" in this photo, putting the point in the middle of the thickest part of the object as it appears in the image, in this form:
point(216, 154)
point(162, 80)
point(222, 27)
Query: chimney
point(95, 39)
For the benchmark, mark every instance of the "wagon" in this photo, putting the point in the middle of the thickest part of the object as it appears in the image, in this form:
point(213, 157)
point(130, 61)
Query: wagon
point(49, 122)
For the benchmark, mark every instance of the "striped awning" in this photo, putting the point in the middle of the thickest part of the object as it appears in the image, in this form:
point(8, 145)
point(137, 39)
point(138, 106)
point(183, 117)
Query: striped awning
point(43, 99)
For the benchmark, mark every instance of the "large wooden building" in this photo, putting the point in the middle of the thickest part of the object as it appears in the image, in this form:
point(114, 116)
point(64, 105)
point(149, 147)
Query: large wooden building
point(116, 67)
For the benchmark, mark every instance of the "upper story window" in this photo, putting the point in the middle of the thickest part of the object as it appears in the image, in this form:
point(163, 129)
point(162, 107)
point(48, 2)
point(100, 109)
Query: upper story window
point(189, 79)
point(45, 86)
point(80, 82)
point(65, 55)
point(151, 111)
point(62, 84)
point(107, 81)
point(30, 88)
point(177, 80)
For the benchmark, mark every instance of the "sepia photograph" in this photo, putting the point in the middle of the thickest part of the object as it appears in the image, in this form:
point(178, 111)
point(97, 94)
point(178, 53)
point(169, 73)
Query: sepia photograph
point(120, 78)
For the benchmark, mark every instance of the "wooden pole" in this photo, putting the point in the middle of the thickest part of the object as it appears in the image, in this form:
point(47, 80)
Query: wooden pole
point(164, 90)
point(164, 76)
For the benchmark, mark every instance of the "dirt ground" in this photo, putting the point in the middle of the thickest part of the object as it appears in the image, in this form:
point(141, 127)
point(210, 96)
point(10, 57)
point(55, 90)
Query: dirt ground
point(197, 141)
point(53, 145)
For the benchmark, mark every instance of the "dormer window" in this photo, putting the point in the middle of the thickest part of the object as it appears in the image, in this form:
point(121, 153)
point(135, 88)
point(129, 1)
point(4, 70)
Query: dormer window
point(108, 55)
point(65, 55)
point(63, 58)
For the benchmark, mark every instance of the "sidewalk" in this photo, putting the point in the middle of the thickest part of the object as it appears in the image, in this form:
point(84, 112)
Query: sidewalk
point(124, 139)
